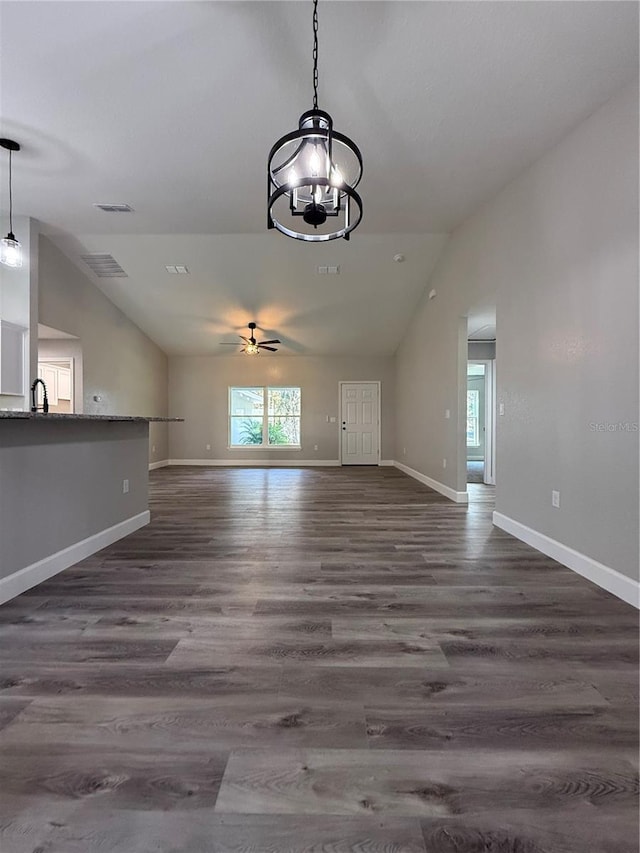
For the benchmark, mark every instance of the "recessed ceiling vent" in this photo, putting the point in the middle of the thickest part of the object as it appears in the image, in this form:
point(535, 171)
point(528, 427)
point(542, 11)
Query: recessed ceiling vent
point(104, 266)
point(115, 208)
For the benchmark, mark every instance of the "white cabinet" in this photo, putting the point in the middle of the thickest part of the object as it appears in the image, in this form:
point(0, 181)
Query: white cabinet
point(58, 379)
point(64, 383)
point(49, 376)
point(12, 344)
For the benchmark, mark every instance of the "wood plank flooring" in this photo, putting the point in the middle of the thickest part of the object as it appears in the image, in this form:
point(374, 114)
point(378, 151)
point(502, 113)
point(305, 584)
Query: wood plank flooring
point(317, 661)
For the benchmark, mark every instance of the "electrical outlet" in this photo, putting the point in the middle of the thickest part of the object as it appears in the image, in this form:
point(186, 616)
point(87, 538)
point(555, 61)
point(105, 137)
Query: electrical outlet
point(153, 448)
point(125, 487)
point(501, 408)
point(447, 413)
point(444, 463)
point(555, 499)
point(404, 451)
point(332, 419)
point(208, 447)
point(315, 446)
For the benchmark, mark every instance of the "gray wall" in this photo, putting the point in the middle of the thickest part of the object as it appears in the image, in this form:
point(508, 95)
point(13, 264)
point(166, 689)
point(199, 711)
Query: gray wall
point(198, 391)
point(120, 363)
point(557, 253)
point(62, 482)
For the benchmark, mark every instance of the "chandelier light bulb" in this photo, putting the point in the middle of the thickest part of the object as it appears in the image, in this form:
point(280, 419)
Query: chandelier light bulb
point(314, 163)
point(336, 177)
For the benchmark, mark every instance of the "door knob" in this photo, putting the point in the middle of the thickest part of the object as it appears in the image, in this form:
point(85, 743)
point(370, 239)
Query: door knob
point(344, 428)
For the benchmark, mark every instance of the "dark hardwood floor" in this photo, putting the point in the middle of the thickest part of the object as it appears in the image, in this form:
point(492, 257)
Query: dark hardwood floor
point(318, 660)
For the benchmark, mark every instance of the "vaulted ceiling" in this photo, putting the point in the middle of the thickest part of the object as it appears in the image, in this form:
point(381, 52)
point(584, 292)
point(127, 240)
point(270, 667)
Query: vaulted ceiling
point(172, 107)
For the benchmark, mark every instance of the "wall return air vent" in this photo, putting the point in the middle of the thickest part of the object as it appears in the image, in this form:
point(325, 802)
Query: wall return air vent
point(114, 208)
point(104, 266)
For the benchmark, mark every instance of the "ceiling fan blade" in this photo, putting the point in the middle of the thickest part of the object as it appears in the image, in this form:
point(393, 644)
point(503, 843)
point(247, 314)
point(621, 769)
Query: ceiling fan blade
point(271, 349)
point(270, 342)
point(246, 340)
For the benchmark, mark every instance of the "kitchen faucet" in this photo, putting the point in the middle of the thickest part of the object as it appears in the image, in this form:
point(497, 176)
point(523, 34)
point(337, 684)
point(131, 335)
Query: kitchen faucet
point(34, 400)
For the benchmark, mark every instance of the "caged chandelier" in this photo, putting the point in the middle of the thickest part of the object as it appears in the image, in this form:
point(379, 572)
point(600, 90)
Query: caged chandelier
point(312, 174)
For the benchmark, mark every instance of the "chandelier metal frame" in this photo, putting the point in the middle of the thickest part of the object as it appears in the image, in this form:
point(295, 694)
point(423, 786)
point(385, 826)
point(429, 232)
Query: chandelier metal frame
point(314, 197)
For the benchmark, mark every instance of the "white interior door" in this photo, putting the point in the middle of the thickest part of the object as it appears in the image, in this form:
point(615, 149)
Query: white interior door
point(360, 427)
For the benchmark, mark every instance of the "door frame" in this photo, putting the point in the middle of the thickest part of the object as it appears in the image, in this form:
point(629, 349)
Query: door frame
point(489, 475)
point(359, 382)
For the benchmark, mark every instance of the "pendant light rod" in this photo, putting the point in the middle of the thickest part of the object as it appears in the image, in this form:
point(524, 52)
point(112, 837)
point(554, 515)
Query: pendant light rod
point(10, 146)
point(10, 192)
point(315, 54)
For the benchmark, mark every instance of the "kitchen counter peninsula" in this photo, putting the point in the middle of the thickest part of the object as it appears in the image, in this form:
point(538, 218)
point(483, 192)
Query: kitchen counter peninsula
point(70, 484)
point(10, 414)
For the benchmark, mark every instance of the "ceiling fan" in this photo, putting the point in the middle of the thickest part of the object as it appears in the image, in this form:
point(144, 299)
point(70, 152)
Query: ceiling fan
point(251, 346)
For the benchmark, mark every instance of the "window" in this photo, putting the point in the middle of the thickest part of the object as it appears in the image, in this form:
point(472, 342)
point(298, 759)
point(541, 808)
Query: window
point(473, 431)
point(264, 417)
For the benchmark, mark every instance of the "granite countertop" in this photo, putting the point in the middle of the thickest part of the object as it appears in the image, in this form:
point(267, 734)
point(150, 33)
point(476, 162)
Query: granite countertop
point(58, 416)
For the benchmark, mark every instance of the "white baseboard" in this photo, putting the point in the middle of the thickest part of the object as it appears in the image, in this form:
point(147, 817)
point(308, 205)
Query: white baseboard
point(162, 464)
point(613, 581)
point(36, 573)
point(447, 491)
point(258, 463)
point(386, 463)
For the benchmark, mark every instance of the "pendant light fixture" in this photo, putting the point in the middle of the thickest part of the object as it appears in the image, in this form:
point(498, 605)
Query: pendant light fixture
point(312, 174)
point(10, 248)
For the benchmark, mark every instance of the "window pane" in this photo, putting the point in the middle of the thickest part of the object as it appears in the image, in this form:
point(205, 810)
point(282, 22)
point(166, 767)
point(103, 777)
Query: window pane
point(475, 369)
point(284, 430)
point(246, 431)
point(472, 432)
point(473, 398)
point(284, 401)
point(246, 401)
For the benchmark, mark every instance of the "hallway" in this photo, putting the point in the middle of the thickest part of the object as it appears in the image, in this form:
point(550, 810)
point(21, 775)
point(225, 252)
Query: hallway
point(321, 659)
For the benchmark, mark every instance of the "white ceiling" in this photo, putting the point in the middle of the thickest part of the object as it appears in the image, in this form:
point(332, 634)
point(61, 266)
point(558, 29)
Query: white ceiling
point(273, 281)
point(481, 325)
point(172, 107)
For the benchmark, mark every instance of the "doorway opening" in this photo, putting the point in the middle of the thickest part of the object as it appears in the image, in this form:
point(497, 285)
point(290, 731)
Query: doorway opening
point(480, 431)
point(60, 368)
point(481, 399)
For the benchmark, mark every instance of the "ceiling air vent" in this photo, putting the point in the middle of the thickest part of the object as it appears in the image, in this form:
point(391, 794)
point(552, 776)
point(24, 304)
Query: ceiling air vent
point(104, 266)
point(115, 208)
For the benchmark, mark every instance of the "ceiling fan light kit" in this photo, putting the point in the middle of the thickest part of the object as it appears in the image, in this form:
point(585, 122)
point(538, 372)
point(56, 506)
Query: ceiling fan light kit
point(10, 248)
point(312, 175)
point(253, 347)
